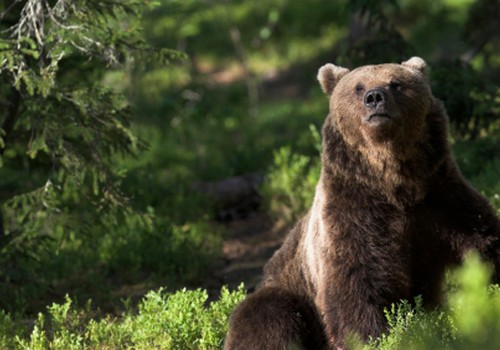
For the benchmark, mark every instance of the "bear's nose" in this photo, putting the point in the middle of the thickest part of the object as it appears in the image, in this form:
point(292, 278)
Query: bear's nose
point(375, 98)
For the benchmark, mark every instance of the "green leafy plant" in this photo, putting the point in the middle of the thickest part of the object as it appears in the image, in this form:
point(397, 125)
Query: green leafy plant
point(468, 320)
point(291, 180)
point(183, 320)
point(469, 97)
point(290, 184)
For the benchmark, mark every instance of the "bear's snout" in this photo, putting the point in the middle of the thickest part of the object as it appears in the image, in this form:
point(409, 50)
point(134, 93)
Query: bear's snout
point(380, 108)
point(375, 98)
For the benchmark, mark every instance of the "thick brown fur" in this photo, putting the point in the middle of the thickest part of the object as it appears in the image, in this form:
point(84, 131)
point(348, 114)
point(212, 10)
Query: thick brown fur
point(390, 214)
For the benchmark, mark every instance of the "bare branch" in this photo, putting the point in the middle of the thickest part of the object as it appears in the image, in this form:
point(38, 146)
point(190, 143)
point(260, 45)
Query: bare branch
point(4, 13)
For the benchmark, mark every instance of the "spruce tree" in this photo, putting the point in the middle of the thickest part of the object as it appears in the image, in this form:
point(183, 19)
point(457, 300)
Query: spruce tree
point(60, 125)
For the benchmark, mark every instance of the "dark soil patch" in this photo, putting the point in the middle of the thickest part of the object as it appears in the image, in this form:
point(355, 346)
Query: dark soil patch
point(248, 245)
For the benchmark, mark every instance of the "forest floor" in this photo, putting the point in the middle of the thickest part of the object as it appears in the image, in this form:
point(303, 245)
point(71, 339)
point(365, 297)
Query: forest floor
point(248, 244)
point(251, 240)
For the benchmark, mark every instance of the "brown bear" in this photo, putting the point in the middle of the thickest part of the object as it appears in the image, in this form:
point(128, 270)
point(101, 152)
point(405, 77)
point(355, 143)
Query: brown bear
point(391, 212)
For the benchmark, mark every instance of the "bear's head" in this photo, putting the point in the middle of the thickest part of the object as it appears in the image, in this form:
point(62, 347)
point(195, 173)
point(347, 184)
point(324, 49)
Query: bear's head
point(379, 106)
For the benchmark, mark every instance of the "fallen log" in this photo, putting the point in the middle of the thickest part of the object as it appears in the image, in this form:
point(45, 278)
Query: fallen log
point(235, 197)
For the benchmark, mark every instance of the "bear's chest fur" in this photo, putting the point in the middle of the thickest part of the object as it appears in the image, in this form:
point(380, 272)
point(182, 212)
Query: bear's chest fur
point(368, 225)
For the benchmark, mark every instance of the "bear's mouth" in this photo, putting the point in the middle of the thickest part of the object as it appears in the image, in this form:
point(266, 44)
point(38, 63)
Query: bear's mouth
point(378, 118)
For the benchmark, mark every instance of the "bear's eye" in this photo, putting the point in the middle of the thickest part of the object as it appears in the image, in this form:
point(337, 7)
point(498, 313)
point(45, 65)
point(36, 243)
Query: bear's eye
point(394, 85)
point(359, 88)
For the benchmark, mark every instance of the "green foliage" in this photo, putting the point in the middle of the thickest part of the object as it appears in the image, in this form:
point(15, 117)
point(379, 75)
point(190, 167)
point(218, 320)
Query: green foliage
point(469, 319)
point(410, 324)
point(8, 331)
point(469, 97)
point(183, 320)
point(290, 183)
point(65, 221)
point(141, 251)
point(276, 27)
point(53, 123)
point(479, 160)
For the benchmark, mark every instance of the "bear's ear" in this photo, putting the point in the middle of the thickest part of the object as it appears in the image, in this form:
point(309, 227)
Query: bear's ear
point(329, 75)
point(416, 63)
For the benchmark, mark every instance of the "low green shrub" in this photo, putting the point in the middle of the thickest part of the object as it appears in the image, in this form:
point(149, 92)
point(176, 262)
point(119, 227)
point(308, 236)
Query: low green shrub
point(290, 184)
point(183, 320)
point(470, 318)
point(149, 250)
point(291, 181)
